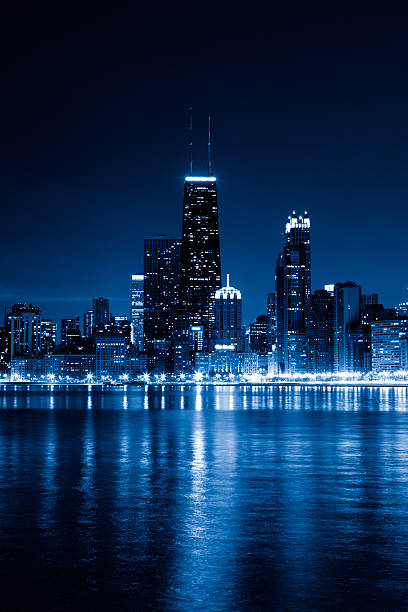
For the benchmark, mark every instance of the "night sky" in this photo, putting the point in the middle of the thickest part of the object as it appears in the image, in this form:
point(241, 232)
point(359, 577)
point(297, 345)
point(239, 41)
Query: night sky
point(310, 112)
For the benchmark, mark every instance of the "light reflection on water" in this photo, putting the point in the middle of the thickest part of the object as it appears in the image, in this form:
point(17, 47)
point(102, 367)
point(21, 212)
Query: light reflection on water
point(203, 497)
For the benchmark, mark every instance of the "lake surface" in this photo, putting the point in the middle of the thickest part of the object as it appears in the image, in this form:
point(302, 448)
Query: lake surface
point(226, 498)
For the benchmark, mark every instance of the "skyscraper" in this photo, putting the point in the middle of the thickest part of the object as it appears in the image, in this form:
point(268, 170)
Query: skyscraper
point(347, 301)
point(161, 292)
point(228, 328)
point(69, 327)
point(136, 309)
point(200, 274)
point(320, 337)
point(24, 324)
point(89, 324)
point(100, 307)
point(293, 287)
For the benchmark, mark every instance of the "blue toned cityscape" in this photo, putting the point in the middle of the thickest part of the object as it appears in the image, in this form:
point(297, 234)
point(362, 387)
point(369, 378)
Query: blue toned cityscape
point(184, 326)
point(203, 307)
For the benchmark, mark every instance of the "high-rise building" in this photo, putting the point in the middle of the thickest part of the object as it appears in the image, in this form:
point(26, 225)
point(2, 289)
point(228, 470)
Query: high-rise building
point(136, 309)
point(69, 328)
point(161, 292)
point(110, 356)
point(24, 325)
point(228, 330)
point(200, 274)
point(347, 300)
point(258, 335)
point(272, 323)
point(402, 309)
point(100, 307)
point(293, 288)
point(388, 341)
point(89, 324)
point(48, 335)
point(320, 354)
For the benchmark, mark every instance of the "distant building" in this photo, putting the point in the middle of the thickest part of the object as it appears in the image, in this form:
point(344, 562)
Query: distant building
point(272, 321)
point(100, 307)
point(228, 328)
point(110, 356)
point(24, 325)
point(403, 352)
point(136, 309)
point(48, 335)
point(161, 293)
point(402, 310)
point(226, 362)
point(69, 328)
point(347, 299)
point(200, 274)
point(293, 288)
point(320, 332)
point(258, 335)
point(388, 344)
point(89, 323)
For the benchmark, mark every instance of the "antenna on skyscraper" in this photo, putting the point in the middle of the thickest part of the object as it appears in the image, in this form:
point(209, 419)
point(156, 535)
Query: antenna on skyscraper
point(190, 139)
point(209, 147)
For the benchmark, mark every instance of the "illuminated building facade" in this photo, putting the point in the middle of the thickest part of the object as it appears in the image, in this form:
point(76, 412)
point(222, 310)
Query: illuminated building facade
point(293, 289)
point(110, 356)
point(69, 328)
point(200, 273)
point(258, 335)
point(89, 322)
point(228, 328)
point(24, 325)
point(136, 309)
point(100, 307)
point(388, 341)
point(347, 300)
point(48, 335)
point(320, 332)
point(161, 293)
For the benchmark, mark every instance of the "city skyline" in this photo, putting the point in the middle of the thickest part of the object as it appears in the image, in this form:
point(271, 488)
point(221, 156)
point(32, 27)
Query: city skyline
point(294, 128)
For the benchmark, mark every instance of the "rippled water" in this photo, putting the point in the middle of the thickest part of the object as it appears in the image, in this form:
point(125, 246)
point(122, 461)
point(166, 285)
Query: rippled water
point(221, 498)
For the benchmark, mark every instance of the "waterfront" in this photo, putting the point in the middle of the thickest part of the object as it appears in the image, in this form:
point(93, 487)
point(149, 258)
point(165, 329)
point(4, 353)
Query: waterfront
point(197, 498)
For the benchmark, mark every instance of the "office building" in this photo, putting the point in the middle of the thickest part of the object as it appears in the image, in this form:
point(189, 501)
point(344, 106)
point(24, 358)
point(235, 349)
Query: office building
point(347, 300)
point(100, 307)
point(69, 329)
point(272, 321)
point(110, 356)
point(225, 362)
point(200, 274)
point(320, 332)
point(293, 288)
point(136, 309)
point(161, 293)
point(48, 335)
point(24, 325)
point(258, 335)
point(89, 323)
point(228, 328)
point(388, 345)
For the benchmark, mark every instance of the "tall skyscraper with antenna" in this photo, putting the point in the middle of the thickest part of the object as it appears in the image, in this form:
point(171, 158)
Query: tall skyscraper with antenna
point(200, 274)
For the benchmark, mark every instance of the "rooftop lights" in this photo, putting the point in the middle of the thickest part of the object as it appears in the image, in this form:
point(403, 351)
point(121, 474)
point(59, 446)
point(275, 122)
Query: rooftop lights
point(201, 179)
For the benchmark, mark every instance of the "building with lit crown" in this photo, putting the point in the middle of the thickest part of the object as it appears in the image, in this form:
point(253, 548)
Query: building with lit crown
point(200, 272)
point(293, 288)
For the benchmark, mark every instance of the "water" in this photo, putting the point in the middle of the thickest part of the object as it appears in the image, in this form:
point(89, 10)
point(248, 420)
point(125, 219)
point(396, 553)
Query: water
point(204, 499)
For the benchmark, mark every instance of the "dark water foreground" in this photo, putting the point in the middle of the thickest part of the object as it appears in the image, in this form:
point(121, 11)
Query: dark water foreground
point(204, 499)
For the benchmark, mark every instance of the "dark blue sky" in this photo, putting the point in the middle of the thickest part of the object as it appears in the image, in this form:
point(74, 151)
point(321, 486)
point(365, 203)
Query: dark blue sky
point(310, 112)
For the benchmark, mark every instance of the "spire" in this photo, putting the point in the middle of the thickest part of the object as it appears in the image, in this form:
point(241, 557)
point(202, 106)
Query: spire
point(190, 139)
point(209, 147)
point(228, 280)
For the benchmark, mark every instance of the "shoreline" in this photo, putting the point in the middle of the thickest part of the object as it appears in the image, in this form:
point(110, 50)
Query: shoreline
point(107, 386)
